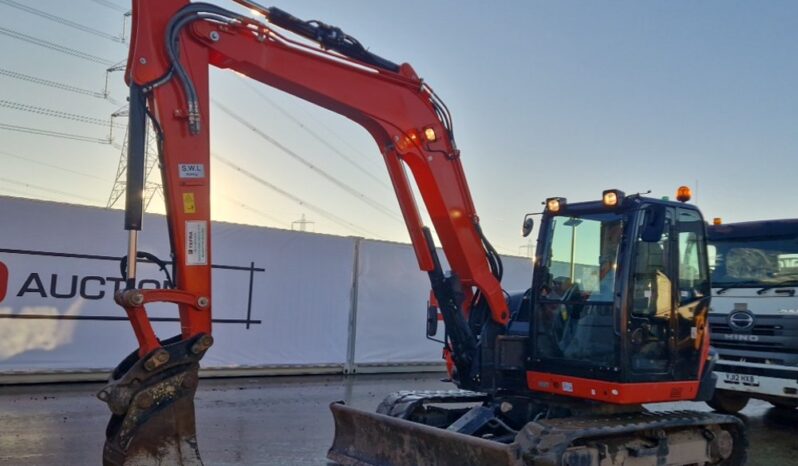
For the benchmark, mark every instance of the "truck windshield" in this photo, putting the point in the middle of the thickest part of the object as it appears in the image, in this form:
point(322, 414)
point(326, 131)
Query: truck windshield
point(754, 262)
point(582, 257)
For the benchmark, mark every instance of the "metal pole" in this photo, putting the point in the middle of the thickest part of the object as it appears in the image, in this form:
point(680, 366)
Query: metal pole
point(573, 248)
point(349, 365)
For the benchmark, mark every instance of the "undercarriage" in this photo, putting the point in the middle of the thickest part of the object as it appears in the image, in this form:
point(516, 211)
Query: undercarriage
point(468, 428)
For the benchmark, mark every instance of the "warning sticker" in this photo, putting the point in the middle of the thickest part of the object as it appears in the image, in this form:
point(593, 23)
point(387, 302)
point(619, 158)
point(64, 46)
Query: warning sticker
point(189, 206)
point(191, 170)
point(196, 242)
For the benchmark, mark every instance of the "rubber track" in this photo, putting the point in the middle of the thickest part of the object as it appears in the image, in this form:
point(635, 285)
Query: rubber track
point(551, 437)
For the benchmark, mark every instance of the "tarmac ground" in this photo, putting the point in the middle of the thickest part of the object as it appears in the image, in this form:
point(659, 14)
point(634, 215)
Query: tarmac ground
point(281, 421)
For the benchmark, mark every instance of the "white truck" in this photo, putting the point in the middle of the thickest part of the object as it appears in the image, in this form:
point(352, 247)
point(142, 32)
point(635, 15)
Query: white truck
point(754, 312)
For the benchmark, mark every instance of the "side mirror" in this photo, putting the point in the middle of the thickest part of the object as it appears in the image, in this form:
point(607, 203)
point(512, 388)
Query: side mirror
point(526, 229)
point(654, 224)
point(432, 320)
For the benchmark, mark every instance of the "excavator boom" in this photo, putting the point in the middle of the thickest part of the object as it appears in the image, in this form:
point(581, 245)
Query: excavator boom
point(173, 44)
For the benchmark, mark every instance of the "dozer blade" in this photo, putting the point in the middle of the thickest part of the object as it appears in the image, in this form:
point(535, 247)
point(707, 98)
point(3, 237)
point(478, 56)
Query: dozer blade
point(152, 405)
point(370, 439)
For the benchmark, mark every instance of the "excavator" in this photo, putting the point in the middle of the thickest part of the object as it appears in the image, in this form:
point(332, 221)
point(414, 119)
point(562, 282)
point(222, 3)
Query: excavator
point(555, 375)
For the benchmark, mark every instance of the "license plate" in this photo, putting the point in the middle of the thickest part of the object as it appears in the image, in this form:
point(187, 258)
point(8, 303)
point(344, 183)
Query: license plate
point(745, 379)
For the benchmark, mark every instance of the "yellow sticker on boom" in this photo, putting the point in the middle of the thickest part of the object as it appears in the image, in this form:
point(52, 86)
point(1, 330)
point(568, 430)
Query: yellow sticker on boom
point(189, 207)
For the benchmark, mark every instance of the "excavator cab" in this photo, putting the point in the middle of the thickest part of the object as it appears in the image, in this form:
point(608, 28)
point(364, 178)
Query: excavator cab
point(621, 294)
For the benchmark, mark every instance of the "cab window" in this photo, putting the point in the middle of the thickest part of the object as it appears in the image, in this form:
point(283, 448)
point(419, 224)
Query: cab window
point(651, 285)
point(693, 279)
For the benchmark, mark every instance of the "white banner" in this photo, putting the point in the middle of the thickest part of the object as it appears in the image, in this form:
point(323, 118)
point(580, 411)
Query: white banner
point(392, 303)
point(280, 298)
point(392, 306)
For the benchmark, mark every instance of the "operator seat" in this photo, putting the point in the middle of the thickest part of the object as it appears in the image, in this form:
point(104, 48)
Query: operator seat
point(653, 301)
point(650, 266)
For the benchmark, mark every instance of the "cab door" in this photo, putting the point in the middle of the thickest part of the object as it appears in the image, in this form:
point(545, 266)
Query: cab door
point(651, 297)
point(693, 293)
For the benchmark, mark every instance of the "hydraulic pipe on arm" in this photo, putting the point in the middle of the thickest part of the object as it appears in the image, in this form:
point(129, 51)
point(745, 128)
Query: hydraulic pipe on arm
point(173, 44)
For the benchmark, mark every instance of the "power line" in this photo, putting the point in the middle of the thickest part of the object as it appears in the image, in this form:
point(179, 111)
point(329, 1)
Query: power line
point(7, 190)
point(45, 164)
point(362, 197)
point(50, 190)
point(118, 66)
point(59, 114)
point(55, 134)
point(318, 210)
point(53, 84)
point(335, 134)
point(316, 136)
point(61, 20)
point(110, 5)
point(55, 47)
point(253, 210)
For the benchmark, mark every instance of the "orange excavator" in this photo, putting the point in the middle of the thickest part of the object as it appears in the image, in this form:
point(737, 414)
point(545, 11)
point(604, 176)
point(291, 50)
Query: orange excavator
point(534, 385)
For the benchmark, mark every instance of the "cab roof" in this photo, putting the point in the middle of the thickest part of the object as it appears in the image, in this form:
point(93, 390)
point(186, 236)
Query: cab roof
point(754, 229)
point(630, 201)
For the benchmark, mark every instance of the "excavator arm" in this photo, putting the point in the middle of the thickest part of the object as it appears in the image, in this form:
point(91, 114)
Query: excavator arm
point(173, 45)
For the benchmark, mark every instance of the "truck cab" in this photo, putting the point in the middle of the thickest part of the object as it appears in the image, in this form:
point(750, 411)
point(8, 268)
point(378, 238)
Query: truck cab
point(754, 313)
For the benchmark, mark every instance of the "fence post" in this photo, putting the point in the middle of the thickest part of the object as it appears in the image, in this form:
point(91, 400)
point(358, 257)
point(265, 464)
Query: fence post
point(349, 365)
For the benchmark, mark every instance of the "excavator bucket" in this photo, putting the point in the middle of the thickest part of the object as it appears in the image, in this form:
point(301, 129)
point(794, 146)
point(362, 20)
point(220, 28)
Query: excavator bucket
point(370, 439)
point(152, 405)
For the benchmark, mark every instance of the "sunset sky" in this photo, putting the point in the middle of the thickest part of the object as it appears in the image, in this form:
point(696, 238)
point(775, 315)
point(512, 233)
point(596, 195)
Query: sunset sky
point(548, 99)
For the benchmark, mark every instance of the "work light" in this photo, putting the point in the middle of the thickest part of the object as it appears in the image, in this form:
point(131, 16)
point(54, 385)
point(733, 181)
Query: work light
point(554, 204)
point(612, 197)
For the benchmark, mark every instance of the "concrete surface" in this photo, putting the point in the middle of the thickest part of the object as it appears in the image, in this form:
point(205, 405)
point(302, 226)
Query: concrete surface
point(268, 421)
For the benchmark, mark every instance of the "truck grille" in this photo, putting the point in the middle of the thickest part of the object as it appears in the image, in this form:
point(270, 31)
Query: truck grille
point(772, 334)
point(769, 330)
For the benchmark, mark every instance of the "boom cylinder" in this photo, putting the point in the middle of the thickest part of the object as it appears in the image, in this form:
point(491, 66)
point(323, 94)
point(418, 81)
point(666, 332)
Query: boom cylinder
point(134, 196)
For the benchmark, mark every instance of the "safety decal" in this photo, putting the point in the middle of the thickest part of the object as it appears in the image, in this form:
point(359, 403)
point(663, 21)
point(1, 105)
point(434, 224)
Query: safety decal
point(196, 242)
point(191, 170)
point(189, 206)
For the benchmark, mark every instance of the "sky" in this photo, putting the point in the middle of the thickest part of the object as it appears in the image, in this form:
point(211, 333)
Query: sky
point(560, 98)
